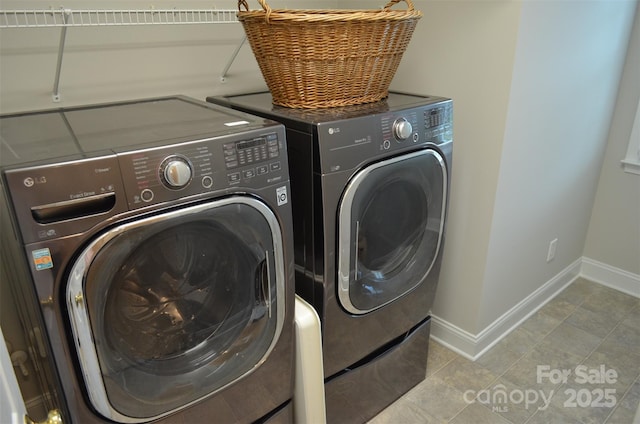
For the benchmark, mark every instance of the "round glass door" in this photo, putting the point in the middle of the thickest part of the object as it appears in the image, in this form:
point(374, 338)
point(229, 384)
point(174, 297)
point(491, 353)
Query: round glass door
point(391, 219)
point(170, 309)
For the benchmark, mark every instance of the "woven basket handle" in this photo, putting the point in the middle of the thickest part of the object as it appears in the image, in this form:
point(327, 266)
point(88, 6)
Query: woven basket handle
point(267, 8)
point(391, 3)
point(263, 3)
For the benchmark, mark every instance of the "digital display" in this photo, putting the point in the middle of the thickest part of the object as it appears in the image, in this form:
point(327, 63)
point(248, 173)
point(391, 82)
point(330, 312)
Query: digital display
point(246, 152)
point(256, 142)
point(434, 118)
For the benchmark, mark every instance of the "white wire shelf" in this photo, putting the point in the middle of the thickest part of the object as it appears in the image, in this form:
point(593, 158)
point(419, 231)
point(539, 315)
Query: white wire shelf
point(64, 17)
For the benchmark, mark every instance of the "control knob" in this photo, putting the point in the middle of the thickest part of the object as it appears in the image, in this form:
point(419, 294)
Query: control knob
point(402, 129)
point(176, 172)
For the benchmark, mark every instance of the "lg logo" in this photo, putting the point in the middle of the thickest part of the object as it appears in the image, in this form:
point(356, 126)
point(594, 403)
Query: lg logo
point(30, 181)
point(334, 131)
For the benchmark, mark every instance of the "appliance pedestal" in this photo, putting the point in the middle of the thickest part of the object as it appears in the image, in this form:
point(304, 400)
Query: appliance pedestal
point(358, 394)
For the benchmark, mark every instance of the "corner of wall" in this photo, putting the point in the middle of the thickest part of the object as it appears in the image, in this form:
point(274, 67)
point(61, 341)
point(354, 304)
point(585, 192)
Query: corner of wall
point(472, 346)
point(610, 276)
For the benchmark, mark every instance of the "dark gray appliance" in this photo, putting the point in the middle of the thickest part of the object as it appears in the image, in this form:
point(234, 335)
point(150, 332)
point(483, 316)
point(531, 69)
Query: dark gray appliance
point(149, 246)
point(370, 185)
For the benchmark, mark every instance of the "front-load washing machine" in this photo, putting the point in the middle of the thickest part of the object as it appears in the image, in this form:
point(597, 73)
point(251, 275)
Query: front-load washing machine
point(370, 186)
point(147, 246)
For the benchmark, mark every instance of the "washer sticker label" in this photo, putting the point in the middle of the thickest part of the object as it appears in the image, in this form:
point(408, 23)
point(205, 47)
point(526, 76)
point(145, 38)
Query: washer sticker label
point(281, 194)
point(42, 259)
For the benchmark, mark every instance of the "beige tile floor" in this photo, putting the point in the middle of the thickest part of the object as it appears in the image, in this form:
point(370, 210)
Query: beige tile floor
point(591, 331)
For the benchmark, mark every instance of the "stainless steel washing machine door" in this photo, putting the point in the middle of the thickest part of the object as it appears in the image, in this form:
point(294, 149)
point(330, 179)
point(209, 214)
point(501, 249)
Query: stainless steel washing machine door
point(390, 225)
point(172, 308)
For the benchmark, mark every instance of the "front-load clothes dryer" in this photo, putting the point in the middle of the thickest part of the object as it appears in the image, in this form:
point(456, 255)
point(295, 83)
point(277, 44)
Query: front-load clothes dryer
point(370, 187)
point(149, 250)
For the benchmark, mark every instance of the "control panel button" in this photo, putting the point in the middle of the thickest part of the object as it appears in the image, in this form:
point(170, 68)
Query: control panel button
point(207, 181)
point(234, 177)
point(176, 172)
point(146, 195)
point(402, 129)
point(275, 166)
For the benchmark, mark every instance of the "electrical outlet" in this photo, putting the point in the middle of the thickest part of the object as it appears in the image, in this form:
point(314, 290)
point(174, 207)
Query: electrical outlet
point(551, 253)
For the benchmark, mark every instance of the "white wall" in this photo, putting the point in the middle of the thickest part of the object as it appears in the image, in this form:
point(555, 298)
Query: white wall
point(566, 73)
point(614, 229)
point(119, 63)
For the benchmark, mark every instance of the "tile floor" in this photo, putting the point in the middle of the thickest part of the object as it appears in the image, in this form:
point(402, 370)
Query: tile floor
point(589, 330)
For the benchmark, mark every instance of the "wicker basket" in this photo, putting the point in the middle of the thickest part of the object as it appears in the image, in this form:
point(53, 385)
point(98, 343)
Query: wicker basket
point(326, 58)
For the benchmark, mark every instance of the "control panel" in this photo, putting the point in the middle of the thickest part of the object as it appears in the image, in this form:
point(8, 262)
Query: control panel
point(255, 157)
point(438, 123)
point(252, 151)
point(172, 172)
point(398, 128)
point(70, 197)
point(431, 124)
point(346, 142)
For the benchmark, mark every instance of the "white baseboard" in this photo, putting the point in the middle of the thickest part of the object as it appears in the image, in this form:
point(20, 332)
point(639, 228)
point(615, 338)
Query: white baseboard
point(473, 346)
point(610, 276)
point(453, 337)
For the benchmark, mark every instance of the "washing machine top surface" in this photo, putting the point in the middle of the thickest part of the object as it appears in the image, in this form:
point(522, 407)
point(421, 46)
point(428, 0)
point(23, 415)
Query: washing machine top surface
point(302, 118)
point(86, 131)
point(70, 168)
point(346, 137)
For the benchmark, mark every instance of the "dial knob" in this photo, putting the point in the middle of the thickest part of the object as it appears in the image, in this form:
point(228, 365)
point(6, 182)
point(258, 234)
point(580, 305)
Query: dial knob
point(402, 129)
point(176, 172)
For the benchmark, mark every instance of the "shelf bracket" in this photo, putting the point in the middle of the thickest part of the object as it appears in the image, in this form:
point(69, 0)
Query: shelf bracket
point(63, 36)
point(223, 76)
